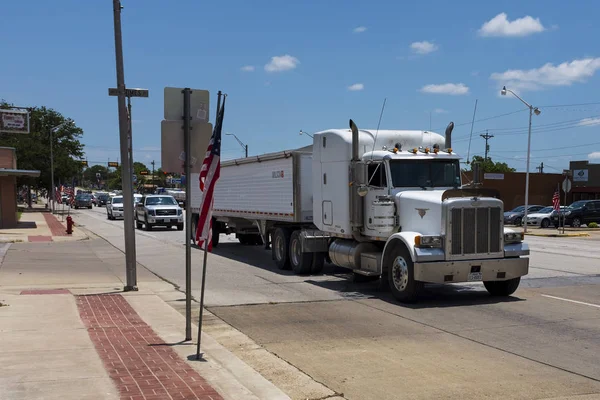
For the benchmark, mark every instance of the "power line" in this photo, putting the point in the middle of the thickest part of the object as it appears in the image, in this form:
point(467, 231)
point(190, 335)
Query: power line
point(553, 148)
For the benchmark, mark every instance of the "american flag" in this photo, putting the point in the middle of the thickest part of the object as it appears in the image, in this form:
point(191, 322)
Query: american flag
point(57, 196)
point(71, 193)
point(556, 201)
point(209, 174)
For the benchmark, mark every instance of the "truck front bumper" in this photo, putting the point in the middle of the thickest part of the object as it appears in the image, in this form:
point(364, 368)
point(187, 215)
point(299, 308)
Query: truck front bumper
point(166, 219)
point(495, 269)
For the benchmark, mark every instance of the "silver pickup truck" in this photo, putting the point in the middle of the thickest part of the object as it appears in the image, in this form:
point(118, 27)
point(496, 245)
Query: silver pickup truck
point(158, 210)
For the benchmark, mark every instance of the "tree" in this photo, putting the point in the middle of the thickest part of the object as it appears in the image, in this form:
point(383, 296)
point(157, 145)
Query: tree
point(490, 166)
point(89, 175)
point(115, 181)
point(33, 149)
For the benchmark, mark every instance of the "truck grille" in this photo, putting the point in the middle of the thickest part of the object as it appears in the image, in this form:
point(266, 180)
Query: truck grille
point(475, 230)
point(166, 212)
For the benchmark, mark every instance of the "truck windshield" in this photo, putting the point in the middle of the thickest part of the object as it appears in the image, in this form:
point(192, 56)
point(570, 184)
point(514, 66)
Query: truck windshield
point(425, 173)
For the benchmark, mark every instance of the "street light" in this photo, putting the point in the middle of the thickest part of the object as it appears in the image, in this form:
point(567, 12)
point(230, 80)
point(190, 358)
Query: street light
point(244, 146)
point(306, 133)
point(53, 130)
point(536, 111)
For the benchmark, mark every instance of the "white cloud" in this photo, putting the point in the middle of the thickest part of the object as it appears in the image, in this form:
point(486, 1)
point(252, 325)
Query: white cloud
point(564, 74)
point(282, 63)
point(589, 122)
point(359, 29)
point(501, 26)
point(423, 47)
point(440, 111)
point(247, 68)
point(356, 87)
point(446, 88)
point(594, 155)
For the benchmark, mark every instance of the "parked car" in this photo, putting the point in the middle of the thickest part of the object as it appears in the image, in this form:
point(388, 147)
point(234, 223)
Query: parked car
point(114, 207)
point(83, 201)
point(543, 217)
point(515, 216)
point(162, 210)
point(580, 212)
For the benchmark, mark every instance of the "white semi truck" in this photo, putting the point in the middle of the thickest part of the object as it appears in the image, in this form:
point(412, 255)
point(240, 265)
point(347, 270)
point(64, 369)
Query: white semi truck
point(386, 204)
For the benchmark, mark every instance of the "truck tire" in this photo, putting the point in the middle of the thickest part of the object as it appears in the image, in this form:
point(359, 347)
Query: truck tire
point(401, 275)
point(318, 262)
point(216, 234)
point(194, 227)
point(243, 238)
point(148, 226)
point(280, 248)
point(301, 262)
point(502, 288)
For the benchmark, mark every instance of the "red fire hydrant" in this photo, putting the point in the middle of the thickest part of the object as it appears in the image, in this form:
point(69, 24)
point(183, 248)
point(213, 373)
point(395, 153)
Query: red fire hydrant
point(70, 224)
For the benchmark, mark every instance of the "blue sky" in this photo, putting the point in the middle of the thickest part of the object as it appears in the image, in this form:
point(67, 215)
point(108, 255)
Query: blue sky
point(311, 65)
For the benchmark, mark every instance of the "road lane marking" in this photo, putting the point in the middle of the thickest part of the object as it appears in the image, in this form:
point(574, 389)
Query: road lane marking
point(572, 301)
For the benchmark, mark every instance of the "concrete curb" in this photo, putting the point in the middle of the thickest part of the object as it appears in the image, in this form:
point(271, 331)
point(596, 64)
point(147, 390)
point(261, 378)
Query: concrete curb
point(572, 234)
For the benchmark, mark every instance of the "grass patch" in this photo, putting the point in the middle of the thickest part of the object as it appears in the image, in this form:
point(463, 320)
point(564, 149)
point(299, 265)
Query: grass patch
point(19, 213)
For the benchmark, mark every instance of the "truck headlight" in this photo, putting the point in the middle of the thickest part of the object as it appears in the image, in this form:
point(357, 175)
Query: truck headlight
point(428, 241)
point(513, 237)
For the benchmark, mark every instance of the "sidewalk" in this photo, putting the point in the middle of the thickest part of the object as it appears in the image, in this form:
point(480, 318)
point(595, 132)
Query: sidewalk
point(67, 331)
point(40, 226)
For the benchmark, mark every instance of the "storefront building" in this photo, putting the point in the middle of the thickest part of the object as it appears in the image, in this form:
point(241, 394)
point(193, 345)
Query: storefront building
point(586, 180)
point(8, 186)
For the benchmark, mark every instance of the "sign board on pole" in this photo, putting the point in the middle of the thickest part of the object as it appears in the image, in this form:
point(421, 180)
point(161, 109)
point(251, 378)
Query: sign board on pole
point(580, 175)
point(172, 146)
point(199, 105)
point(134, 177)
point(113, 164)
point(14, 121)
point(129, 92)
point(566, 185)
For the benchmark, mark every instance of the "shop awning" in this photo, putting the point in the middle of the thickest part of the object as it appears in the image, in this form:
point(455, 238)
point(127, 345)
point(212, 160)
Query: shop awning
point(18, 172)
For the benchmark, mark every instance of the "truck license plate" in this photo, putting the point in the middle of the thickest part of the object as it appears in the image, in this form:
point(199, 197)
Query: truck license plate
point(475, 276)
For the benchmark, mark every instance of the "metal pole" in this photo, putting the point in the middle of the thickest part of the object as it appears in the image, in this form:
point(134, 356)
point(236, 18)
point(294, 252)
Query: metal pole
point(188, 214)
point(130, 259)
point(201, 312)
point(52, 170)
point(527, 172)
point(563, 222)
point(246, 151)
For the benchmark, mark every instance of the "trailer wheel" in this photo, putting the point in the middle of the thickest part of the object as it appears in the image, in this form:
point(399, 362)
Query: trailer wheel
point(318, 262)
point(194, 227)
point(280, 248)
point(401, 275)
point(502, 288)
point(301, 262)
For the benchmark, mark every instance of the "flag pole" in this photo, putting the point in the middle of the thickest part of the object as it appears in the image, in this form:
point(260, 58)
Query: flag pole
point(207, 222)
point(563, 225)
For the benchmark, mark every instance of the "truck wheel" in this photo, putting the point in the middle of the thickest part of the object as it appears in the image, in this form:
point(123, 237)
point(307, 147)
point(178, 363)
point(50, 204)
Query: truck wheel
point(179, 227)
point(194, 227)
point(280, 247)
point(318, 262)
point(148, 226)
point(502, 288)
point(243, 239)
point(401, 276)
point(215, 237)
point(301, 262)
point(138, 224)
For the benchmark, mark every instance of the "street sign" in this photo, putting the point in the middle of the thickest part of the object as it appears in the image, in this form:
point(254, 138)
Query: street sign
point(134, 178)
point(129, 92)
point(143, 172)
point(172, 146)
point(113, 164)
point(176, 181)
point(14, 121)
point(566, 185)
point(199, 104)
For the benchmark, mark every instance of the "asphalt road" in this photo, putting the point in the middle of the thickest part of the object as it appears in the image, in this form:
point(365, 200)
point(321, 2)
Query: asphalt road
point(456, 343)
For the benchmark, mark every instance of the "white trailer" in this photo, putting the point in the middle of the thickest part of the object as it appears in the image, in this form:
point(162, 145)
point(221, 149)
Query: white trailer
point(386, 204)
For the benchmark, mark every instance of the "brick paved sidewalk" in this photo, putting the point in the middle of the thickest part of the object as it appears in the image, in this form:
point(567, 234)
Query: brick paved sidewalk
point(56, 227)
point(136, 358)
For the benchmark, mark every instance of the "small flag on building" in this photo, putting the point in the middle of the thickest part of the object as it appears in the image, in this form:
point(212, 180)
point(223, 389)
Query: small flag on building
point(556, 201)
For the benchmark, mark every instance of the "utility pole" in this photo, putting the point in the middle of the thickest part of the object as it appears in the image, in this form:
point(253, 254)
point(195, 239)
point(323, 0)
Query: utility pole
point(152, 175)
point(487, 146)
point(541, 168)
point(125, 141)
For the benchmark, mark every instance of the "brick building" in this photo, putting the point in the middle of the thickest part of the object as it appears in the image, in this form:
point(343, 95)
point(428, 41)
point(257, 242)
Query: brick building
point(8, 186)
point(586, 180)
